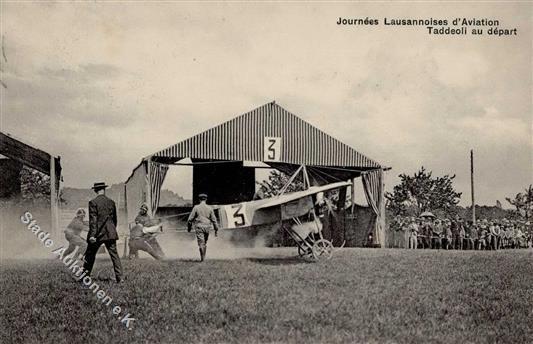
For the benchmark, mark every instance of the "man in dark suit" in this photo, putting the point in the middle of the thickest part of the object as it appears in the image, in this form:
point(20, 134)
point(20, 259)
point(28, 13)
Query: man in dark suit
point(102, 230)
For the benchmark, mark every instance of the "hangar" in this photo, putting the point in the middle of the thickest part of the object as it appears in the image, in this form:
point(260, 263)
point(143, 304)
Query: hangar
point(225, 158)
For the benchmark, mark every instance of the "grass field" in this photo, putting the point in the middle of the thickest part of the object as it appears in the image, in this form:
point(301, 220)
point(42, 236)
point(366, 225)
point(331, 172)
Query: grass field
point(361, 295)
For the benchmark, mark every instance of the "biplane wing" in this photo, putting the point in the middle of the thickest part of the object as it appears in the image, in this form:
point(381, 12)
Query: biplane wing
point(270, 210)
point(279, 200)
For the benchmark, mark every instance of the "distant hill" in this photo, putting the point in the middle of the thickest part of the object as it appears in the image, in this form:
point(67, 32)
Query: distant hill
point(170, 198)
point(75, 198)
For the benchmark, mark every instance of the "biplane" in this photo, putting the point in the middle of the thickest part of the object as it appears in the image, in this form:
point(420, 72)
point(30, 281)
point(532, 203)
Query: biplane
point(295, 211)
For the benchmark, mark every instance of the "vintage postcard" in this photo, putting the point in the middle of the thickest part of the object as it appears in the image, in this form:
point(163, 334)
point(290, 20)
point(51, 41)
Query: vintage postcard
point(266, 171)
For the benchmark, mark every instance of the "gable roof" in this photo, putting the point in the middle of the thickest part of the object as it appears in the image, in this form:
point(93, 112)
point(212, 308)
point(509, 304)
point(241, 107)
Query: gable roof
point(242, 138)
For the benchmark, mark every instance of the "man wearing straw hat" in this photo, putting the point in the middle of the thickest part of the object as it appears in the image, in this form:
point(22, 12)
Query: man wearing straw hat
point(102, 230)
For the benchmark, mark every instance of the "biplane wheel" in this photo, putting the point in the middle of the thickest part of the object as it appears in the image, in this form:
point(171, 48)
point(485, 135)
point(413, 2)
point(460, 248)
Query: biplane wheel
point(322, 249)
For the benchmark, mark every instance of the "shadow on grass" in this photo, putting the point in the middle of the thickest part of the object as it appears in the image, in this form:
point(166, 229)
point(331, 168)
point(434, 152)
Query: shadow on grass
point(280, 261)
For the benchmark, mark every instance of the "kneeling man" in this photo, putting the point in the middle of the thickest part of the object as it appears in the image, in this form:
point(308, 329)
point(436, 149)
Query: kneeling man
point(140, 240)
point(73, 233)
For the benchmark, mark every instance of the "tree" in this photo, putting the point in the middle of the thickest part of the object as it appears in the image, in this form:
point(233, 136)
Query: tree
point(523, 202)
point(276, 181)
point(35, 186)
point(423, 192)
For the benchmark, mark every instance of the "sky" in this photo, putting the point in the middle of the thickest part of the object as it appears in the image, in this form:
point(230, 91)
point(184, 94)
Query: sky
point(105, 84)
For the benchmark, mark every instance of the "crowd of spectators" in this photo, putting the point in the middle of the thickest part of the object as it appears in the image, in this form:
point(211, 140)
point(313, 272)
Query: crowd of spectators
point(429, 232)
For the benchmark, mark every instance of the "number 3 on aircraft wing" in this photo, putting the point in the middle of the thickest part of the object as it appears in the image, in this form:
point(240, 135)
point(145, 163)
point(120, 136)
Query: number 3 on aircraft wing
point(236, 214)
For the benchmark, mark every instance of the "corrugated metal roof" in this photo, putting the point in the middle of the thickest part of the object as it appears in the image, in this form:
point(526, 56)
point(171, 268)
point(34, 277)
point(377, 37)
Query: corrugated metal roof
point(242, 138)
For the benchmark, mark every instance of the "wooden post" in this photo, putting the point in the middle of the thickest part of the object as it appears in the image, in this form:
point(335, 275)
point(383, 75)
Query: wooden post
point(127, 234)
point(472, 186)
point(353, 196)
point(382, 217)
point(126, 205)
point(53, 198)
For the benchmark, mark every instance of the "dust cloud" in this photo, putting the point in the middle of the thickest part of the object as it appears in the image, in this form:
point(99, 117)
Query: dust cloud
point(17, 241)
point(230, 244)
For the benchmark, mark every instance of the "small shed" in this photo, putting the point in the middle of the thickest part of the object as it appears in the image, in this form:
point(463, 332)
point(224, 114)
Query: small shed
point(15, 155)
